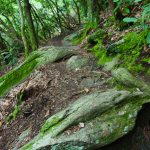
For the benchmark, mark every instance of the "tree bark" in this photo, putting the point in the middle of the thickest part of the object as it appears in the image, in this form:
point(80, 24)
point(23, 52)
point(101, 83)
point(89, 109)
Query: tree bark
point(30, 24)
point(78, 11)
point(25, 42)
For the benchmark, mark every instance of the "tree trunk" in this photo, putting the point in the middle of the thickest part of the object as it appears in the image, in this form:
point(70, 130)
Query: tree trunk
point(26, 45)
point(30, 24)
point(78, 11)
point(118, 14)
point(2, 43)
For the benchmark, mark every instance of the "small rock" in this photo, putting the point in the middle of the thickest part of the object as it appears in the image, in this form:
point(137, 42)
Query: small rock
point(81, 125)
point(77, 62)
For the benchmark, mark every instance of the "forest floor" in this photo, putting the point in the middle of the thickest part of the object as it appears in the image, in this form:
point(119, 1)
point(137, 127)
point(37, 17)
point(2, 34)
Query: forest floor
point(50, 89)
point(47, 91)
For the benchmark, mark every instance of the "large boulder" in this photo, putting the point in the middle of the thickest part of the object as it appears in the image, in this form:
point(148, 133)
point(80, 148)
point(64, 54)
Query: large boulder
point(77, 62)
point(36, 59)
point(90, 122)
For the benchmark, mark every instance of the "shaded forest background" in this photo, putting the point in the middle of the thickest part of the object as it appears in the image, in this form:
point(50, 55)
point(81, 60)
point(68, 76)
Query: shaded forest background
point(25, 25)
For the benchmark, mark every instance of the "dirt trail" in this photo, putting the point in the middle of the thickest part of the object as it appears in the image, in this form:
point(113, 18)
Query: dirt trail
point(52, 88)
point(47, 91)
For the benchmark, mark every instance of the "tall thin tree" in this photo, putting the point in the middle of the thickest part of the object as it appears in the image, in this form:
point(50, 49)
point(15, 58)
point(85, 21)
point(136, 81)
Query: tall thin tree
point(30, 25)
point(24, 39)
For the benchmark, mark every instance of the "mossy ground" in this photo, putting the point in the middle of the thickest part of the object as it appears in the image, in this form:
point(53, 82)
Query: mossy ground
point(129, 51)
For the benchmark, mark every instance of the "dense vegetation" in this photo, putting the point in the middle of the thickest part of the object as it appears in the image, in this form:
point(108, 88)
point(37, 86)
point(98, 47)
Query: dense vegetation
point(25, 25)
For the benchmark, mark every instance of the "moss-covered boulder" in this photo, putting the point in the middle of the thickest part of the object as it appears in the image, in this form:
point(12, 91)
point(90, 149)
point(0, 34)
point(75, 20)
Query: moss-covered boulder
point(90, 122)
point(77, 62)
point(37, 58)
point(124, 77)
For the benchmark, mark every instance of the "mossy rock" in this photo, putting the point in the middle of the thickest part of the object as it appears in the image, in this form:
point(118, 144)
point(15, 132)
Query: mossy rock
point(91, 82)
point(77, 62)
point(107, 116)
point(108, 66)
point(36, 59)
point(129, 50)
point(124, 77)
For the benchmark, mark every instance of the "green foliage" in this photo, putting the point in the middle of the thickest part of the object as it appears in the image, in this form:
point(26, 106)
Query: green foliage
point(16, 110)
point(147, 60)
point(99, 34)
point(130, 20)
point(110, 22)
point(128, 7)
point(13, 115)
point(101, 53)
point(146, 13)
point(82, 35)
point(130, 51)
point(133, 42)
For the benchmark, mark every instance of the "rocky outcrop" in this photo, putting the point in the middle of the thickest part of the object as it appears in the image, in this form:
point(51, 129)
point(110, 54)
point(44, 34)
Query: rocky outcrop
point(108, 66)
point(92, 121)
point(68, 40)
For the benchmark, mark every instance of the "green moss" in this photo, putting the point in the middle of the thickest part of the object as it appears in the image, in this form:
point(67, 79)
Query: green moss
point(100, 52)
point(130, 51)
point(35, 59)
point(126, 113)
point(50, 123)
point(13, 115)
point(17, 75)
point(80, 37)
point(100, 34)
point(28, 146)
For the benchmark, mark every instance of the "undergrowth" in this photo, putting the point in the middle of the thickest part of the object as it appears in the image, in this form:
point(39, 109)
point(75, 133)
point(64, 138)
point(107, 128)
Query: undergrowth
point(129, 51)
point(82, 35)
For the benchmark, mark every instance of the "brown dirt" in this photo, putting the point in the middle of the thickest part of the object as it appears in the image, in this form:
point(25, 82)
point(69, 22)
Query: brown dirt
point(47, 91)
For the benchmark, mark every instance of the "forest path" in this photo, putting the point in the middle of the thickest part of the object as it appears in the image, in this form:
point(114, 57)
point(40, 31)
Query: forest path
point(48, 90)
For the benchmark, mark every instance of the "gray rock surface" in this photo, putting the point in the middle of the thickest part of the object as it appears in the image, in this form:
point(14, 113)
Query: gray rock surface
point(105, 117)
point(123, 76)
point(91, 82)
point(23, 137)
point(77, 62)
point(111, 65)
